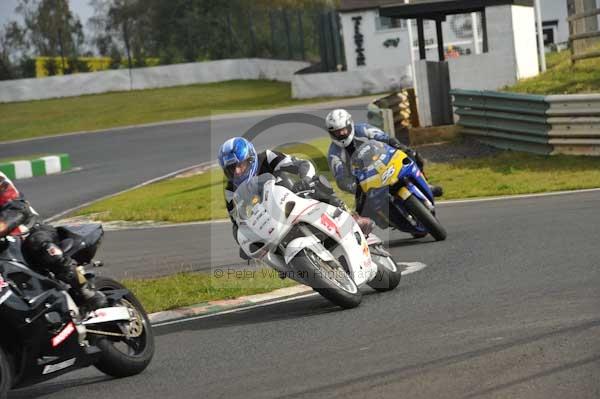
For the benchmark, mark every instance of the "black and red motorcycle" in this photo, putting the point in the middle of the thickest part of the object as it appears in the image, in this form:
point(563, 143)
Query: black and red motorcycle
point(44, 334)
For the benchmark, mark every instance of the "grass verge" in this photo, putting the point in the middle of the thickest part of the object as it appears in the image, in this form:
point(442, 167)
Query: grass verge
point(200, 197)
point(561, 77)
point(187, 289)
point(101, 111)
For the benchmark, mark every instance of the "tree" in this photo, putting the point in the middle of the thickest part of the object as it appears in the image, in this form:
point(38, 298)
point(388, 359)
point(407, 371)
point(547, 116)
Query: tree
point(12, 43)
point(124, 24)
point(51, 29)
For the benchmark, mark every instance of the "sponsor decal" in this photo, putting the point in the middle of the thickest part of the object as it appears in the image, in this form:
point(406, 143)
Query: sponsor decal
point(388, 173)
point(63, 335)
point(329, 224)
point(3, 283)
point(365, 249)
point(53, 368)
point(283, 198)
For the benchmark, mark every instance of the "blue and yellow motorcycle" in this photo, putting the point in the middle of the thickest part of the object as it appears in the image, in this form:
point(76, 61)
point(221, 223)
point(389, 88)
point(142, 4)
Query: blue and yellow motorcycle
point(397, 194)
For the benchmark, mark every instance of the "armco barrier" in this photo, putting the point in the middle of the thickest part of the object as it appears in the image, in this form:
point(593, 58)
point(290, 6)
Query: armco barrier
point(557, 124)
point(575, 123)
point(504, 120)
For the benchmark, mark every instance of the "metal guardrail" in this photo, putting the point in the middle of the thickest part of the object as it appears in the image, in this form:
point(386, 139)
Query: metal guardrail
point(574, 123)
point(504, 120)
point(557, 124)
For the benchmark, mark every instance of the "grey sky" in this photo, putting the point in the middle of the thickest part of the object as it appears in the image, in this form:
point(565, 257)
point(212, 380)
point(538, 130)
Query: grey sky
point(79, 7)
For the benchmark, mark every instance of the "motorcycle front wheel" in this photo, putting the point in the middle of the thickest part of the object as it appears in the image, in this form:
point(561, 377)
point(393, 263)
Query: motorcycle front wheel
point(388, 274)
point(427, 219)
point(331, 281)
point(130, 355)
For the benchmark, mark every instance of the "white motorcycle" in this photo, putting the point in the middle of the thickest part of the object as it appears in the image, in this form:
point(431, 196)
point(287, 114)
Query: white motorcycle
point(311, 242)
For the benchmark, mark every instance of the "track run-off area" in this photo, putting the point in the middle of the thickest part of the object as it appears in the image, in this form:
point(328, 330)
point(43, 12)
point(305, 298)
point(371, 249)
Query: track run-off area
point(507, 307)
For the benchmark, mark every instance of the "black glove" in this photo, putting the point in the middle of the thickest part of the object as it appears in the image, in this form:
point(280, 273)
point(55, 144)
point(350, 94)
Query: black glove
point(303, 184)
point(394, 142)
point(347, 184)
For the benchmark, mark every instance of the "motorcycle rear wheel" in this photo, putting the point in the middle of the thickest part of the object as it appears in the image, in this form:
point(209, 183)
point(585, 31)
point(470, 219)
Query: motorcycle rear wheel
point(330, 281)
point(6, 374)
point(427, 219)
point(139, 350)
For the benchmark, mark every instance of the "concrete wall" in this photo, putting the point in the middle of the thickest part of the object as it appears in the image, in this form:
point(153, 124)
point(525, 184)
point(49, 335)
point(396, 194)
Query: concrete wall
point(507, 60)
point(433, 97)
point(148, 78)
point(525, 41)
point(351, 83)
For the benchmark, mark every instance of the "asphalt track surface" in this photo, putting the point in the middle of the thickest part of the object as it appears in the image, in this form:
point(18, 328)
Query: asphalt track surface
point(118, 159)
point(508, 307)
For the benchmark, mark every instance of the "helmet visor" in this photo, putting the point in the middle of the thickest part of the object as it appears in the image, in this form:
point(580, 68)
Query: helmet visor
point(238, 169)
point(341, 134)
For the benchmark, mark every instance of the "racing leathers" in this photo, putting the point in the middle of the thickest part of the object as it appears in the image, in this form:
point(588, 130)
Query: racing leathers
point(40, 243)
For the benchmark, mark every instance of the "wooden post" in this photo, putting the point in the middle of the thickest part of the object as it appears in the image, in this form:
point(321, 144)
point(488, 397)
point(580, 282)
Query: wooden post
point(440, 40)
point(421, 39)
point(301, 33)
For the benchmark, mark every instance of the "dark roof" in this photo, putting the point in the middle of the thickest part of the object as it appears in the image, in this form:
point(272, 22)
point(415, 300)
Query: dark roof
point(355, 5)
point(439, 8)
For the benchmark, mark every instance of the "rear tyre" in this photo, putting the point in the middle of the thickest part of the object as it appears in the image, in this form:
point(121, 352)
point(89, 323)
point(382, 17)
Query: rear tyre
point(331, 281)
point(6, 375)
point(124, 357)
point(388, 274)
point(427, 219)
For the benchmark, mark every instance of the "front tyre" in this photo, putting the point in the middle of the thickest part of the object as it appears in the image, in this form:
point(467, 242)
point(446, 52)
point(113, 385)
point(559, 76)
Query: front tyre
point(6, 375)
point(126, 356)
point(331, 281)
point(427, 219)
point(388, 274)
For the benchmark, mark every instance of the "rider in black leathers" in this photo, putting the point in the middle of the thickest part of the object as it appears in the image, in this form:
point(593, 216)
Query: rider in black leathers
point(40, 249)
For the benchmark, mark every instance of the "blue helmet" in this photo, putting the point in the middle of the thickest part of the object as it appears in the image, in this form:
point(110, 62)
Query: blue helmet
point(234, 152)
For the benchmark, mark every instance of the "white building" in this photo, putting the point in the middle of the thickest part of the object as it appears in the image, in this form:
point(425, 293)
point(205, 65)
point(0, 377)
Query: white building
point(554, 23)
point(501, 50)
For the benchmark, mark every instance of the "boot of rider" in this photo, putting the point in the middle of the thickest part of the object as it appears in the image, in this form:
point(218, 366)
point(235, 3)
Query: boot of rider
point(81, 290)
point(437, 191)
point(366, 224)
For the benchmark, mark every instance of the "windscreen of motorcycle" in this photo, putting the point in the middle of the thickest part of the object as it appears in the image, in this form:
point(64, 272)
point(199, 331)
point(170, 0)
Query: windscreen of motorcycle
point(376, 164)
point(249, 195)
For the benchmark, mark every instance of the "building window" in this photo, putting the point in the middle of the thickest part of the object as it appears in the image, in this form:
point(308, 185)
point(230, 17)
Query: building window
point(387, 23)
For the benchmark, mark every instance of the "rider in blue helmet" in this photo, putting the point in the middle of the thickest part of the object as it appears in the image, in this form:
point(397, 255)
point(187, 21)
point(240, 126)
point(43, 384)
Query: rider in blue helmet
point(240, 162)
point(238, 159)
